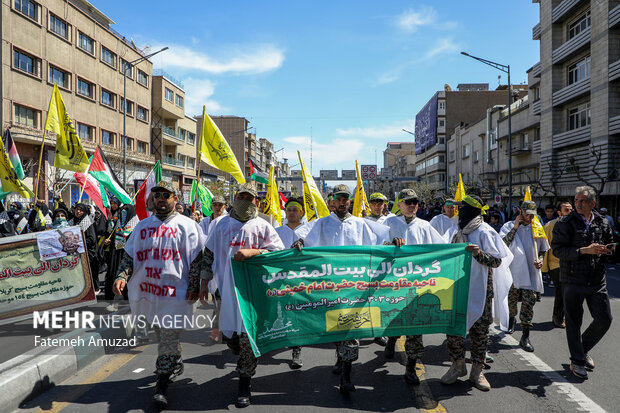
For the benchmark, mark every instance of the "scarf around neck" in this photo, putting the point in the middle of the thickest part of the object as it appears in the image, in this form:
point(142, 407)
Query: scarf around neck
point(461, 235)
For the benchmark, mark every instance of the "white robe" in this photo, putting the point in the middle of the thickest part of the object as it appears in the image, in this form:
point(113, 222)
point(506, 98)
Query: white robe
point(287, 235)
point(162, 253)
point(490, 242)
point(205, 224)
point(379, 220)
point(226, 237)
point(270, 219)
point(524, 274)
point(330, 231)
point(416, 232)
point(443, 224)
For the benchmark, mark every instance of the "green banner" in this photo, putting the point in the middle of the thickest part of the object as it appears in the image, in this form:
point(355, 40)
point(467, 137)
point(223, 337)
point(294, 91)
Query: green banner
point(328, 294)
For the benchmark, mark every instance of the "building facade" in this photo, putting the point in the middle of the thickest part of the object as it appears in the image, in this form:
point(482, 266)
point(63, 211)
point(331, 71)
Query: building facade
point(72, 44)
point(398, 170)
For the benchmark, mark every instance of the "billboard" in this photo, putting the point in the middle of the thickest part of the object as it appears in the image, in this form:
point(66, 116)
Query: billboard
point(426, 126)
point(329, 174)
point(349, 174)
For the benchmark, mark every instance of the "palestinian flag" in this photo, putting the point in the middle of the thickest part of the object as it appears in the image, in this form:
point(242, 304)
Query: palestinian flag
point(94, 190)
point(11, 150)
point(145, 190)
point(257, 175)
point(283, 200)
point(100, 169)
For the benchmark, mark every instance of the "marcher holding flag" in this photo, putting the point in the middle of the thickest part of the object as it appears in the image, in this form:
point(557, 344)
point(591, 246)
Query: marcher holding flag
point(142, 196)
point(314, 205)
point(360, 203)
point(272, 200)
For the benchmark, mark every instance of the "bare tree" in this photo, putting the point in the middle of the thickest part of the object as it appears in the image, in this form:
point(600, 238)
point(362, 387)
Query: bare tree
point(600, 180)
point(553, 173)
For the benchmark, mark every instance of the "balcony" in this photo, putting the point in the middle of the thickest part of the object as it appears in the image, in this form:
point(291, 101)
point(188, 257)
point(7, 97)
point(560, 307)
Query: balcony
point(614, 16)
point(574, 45)
point(173, 162)
point(571, 137)
point(614, 70)
point(518, 150)
point(561, 11)
point(571, 92)
point(169, 132)
point(536, 107)
point(536, 30)
point(536, 70)
point(614, 125)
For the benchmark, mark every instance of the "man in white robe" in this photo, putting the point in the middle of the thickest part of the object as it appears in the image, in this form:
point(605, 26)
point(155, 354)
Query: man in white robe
point(294, 212)
point(377, 203)
point(161, 263)
point(339, 229)
point(218, 206)
point(406, 229)
point(528, 260)
point(239, 235)
point(489, 284)
point(446, 221)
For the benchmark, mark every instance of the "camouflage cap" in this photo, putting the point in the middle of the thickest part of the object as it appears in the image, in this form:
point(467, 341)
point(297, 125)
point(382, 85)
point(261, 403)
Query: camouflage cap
point(218, 199)
point(529, 207)
point(164, 186)
point(406, 194)
point(342, 189)
point(249, 188)
point(378, 196)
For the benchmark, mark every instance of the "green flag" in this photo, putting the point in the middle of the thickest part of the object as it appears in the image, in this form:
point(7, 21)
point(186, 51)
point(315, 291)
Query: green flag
point(204, 197)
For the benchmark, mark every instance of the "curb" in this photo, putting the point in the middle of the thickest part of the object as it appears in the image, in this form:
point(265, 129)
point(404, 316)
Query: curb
point(32, 373)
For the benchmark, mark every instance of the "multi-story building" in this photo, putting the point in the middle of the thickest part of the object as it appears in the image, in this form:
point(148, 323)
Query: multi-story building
point(398, 170)
point(440, 116)
point(72, 44)
point(579, 90)
point(174, 133)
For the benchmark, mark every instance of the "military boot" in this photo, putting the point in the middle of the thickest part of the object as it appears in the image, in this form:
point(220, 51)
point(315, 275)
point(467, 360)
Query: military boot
point(477, 377)
point(243, 396)
point(525, 340)
point(390, 348)
point(457, 369)
point(346, 386)
point(511, 325)
point(410, 374)
point(296, 362)
point(161, 389)
point(337, 369)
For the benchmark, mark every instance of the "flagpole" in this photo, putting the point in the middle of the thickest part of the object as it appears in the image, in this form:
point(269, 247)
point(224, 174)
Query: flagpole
point(36, 187)
point(85, 180)
point(68, 182)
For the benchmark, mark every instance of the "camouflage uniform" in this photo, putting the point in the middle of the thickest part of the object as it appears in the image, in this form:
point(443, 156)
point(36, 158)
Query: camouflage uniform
point(348, 350)
point(479, 332)
point(414, 347)
point(247, 361)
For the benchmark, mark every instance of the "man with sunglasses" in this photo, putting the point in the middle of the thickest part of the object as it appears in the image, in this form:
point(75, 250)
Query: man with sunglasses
point(161, 266)
point(406, 229)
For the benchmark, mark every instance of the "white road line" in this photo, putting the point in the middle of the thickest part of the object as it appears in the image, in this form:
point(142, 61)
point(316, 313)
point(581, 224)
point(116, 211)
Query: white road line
point(138, 370)
point(563, 386)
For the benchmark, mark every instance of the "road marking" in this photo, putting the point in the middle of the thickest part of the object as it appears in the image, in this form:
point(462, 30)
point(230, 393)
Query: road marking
point(423, 392)
point(562, 385)
point(140, 370)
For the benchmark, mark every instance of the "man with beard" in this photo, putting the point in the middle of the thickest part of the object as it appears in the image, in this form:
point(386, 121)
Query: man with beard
point(489, 253)
point(446, 221)
point(240, 235)
point(82, 219)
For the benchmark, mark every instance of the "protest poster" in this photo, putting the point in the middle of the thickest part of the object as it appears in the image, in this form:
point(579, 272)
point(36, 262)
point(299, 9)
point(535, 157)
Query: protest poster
point(60, 243)
point(29, 283)
point(328, 294)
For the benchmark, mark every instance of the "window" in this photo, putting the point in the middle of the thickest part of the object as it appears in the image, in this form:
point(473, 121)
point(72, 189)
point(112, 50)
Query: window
point(452, 156)
point(59, 26)
point(181, 160)
point(26, 116)
point(441, 140)
point(143, 114)
point(86, 43)
point(466, 151)
point(525, 141)
point(108, 98)
point(181, 134)
point(130, 144)
point(108, 57)
point(86, 88)
point(26, 63)
point(179, 101)
point(579, 25)
point(579, 116)
point(107, 138)
point(441, 123)
point(142, 147)
point(441, 104)
point(85, 132)
point(129, 107)
point(476, 156)
point(60, 77)
point(579, 70)
point(29, 8)
point(191, 163)
point(191, 138)
point(169, 94)
point(143, 78)
point(126, 66)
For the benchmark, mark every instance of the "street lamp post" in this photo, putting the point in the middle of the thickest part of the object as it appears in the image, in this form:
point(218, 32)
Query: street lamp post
point(505, 69)
point(127, 66)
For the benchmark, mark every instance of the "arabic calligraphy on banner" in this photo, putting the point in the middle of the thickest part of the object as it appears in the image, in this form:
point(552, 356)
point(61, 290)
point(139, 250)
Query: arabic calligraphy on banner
point(27, 283)
point(327, 294)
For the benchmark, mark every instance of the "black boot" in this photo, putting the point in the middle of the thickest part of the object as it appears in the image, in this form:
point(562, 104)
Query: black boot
point(161, 389)
point(337, 369)
point(382, 341)
point(346, 386)
point(410, 375)
point(390, 348)
point(525, 340)
point(243, 397)
point(511, 325)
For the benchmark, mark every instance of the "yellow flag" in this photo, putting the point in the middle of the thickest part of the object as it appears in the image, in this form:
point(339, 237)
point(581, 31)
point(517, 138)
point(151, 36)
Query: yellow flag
point(395, 208)
point(360, 203)
point(460, 193)
point(8, 176)
point(314, 204)
point(70, 154)
point(538, 231)
point(272, 199)
point(215, 151)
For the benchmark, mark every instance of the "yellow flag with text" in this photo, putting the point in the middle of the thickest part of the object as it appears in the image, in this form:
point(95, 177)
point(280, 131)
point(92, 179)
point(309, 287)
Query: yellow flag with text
point(360, 203)
point(215, 151)
point(8, 176)
point(314, 204)
point(538, 231)
point(272, 199)
point(70, 154)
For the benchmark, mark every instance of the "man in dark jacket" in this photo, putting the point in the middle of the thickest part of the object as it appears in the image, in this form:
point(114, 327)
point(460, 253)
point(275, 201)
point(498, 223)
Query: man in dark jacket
point(581, 241)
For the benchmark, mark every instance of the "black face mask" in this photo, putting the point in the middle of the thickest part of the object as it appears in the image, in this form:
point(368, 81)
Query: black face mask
point(466, 214)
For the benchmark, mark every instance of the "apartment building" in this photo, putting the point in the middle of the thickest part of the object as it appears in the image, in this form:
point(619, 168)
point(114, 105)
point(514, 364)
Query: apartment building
point(173, 135)
point(71, 43)
point(579, 90)
point(398, 170)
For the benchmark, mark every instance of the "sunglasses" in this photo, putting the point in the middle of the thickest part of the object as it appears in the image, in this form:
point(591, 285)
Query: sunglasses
point(411, 202)
point(164, 195)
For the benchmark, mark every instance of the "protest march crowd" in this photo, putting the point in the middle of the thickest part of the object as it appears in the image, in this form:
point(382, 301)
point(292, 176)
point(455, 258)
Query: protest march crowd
point(163, 255)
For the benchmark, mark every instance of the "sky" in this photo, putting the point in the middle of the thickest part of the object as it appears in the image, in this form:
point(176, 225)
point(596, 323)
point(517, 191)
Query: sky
point(347, 76)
